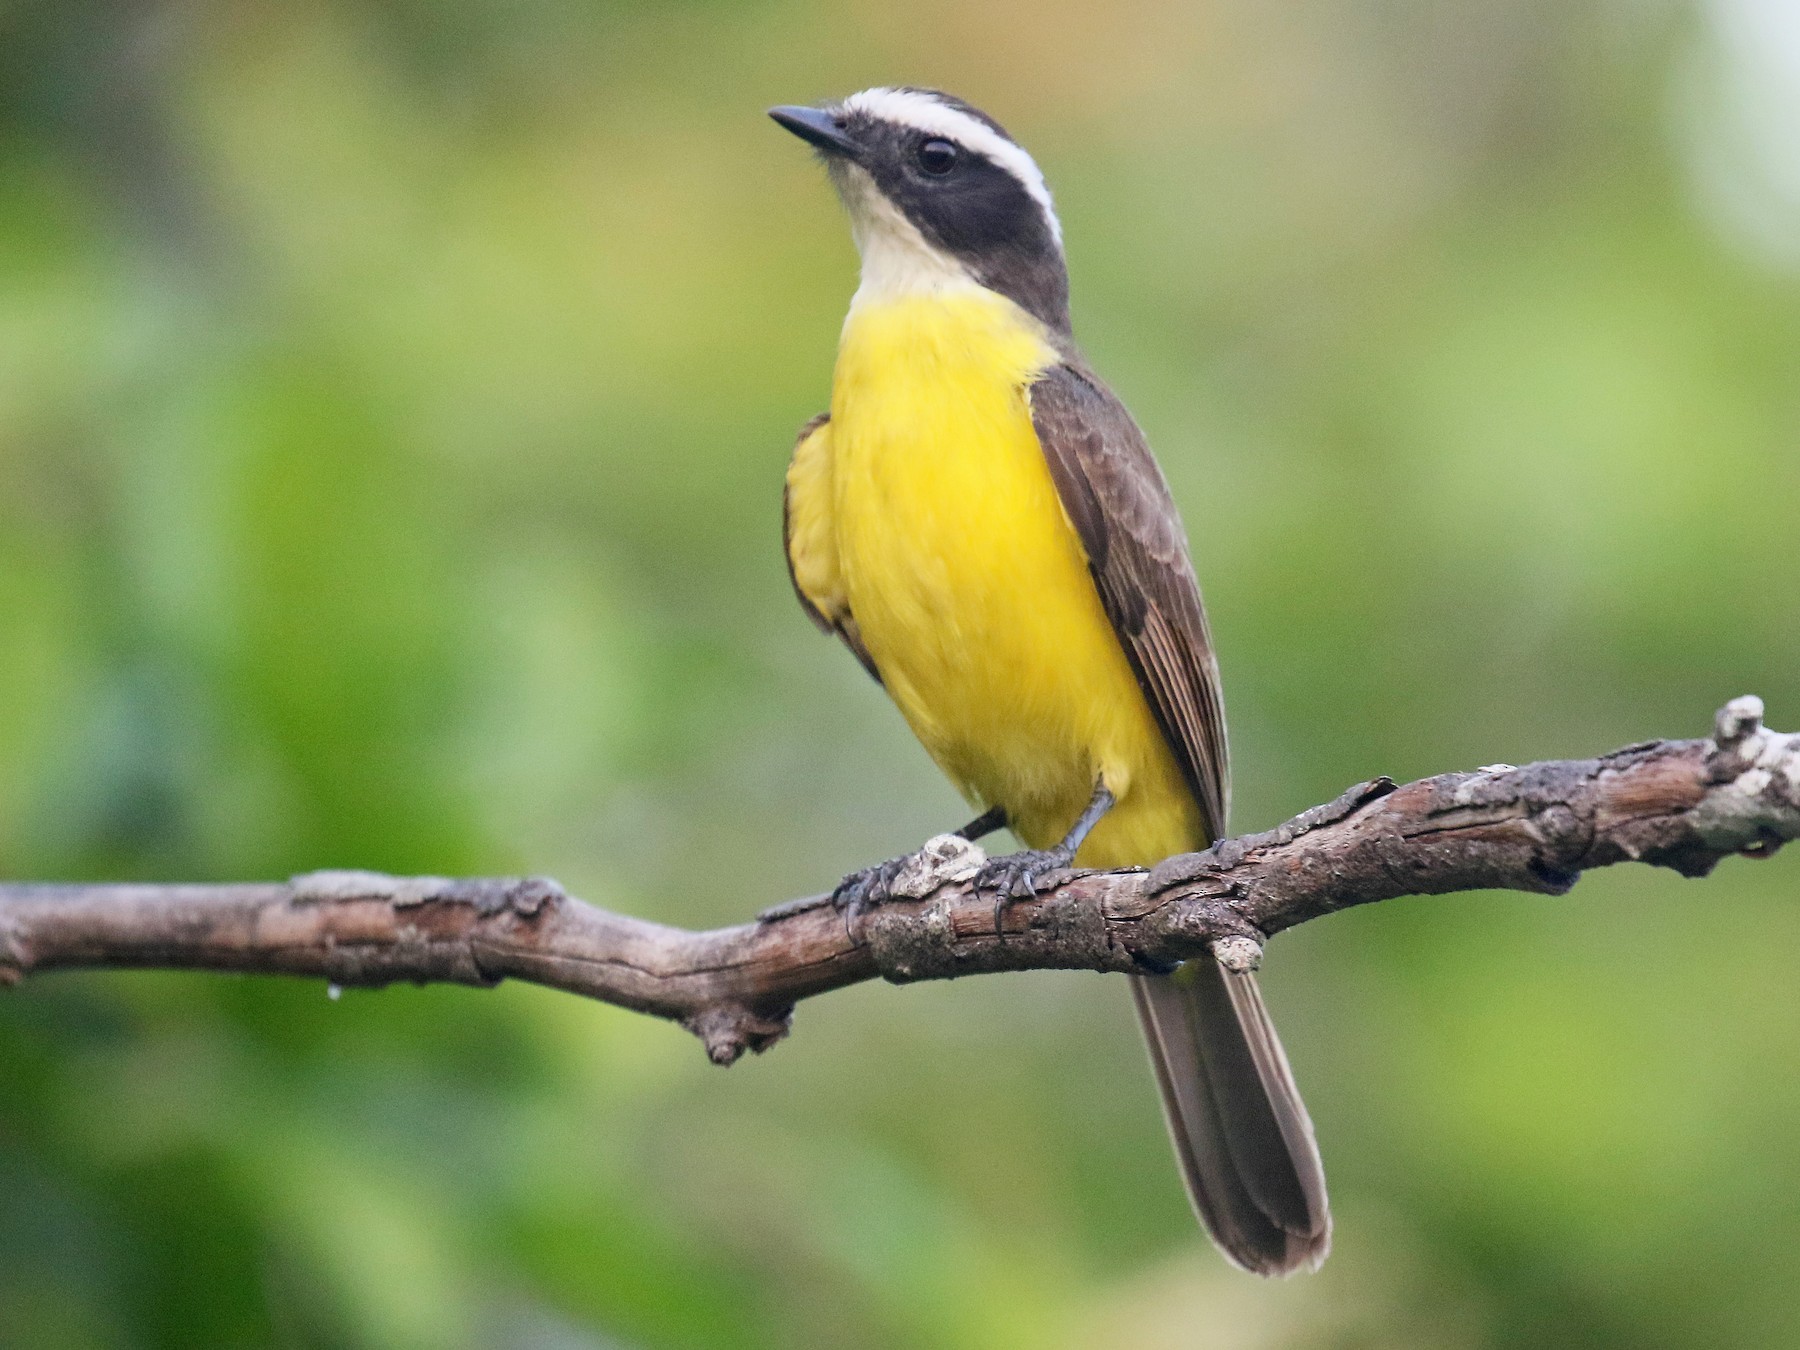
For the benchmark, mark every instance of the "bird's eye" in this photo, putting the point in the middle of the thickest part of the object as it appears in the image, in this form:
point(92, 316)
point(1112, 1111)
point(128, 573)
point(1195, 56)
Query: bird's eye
point(937, 157)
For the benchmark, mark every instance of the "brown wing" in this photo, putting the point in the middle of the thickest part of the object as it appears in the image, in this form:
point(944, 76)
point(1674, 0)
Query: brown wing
point(1242, 1136)
point(1116, 497)
point(826, 606)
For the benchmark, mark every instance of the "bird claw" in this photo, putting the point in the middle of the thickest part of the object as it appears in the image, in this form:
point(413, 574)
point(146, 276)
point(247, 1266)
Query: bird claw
point(868, 887)
point(1014, 876)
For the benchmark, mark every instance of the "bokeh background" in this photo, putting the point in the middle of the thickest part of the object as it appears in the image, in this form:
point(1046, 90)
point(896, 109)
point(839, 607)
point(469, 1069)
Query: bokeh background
point(394, 398)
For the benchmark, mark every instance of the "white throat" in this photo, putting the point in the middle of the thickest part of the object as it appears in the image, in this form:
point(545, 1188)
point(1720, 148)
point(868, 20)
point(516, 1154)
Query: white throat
point(897, 260)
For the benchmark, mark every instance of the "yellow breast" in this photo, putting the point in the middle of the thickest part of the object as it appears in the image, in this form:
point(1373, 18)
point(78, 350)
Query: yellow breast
point(969, 584)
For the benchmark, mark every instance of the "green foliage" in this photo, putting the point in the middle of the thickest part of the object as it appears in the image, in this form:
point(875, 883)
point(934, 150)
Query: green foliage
point(393, 403)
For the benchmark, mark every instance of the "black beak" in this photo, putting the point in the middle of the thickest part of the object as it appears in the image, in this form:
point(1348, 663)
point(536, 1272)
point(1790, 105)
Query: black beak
point(817, 127)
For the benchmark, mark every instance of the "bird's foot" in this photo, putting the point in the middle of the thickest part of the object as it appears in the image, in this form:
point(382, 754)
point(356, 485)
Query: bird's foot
point(869, 887)
point(1014, 876)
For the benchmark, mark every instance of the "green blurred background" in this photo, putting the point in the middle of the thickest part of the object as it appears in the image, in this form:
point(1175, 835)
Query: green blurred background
point(394, 398)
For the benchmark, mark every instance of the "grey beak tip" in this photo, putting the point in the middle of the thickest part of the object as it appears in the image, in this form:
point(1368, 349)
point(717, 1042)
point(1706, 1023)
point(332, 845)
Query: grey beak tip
point(816, 126)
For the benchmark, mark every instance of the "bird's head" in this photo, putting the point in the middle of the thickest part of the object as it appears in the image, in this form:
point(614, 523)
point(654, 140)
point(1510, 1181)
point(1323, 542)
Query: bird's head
point(939, 196)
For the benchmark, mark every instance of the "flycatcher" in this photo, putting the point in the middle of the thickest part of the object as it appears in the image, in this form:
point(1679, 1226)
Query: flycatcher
point(982, 523)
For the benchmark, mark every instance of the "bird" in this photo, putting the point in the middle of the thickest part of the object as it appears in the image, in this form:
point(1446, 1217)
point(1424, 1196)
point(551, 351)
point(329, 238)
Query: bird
point(979, 519)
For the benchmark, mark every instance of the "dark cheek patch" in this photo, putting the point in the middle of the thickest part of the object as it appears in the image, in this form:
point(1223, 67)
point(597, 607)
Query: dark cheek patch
point(988, 219)
point(977, 208)
point(984, 209)
point(981, 214)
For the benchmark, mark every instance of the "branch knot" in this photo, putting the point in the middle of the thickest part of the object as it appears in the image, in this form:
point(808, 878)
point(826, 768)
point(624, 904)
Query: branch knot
point(727, 1030)
point(944, 860)
point(1738, 721)
point(1754, 778)
point(1240, 955)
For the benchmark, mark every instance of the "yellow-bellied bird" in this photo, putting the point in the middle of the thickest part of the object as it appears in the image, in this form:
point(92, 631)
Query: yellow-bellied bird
point(984, 526)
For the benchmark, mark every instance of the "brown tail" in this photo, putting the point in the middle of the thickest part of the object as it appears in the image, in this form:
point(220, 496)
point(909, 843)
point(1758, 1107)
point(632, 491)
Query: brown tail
point(1242, 1135)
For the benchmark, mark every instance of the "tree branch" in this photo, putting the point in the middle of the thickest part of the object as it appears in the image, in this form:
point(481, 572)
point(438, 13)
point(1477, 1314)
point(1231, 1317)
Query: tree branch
point(1678, 804)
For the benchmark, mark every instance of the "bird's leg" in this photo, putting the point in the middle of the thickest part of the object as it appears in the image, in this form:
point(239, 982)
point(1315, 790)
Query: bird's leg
point(1013, 876)
point(871, 886)
point(994, 818)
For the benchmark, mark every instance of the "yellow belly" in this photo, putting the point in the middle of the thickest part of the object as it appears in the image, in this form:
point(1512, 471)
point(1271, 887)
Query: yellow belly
point(970, 586)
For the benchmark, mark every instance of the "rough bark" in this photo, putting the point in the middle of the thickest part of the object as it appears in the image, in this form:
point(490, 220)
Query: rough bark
point(1679, 804)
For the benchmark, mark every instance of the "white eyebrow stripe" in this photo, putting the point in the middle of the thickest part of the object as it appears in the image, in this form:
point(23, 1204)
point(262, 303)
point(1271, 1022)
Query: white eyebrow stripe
point(919, 110)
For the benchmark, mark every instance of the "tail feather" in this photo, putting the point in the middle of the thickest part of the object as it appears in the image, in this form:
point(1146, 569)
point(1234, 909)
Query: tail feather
point(1242, 1136)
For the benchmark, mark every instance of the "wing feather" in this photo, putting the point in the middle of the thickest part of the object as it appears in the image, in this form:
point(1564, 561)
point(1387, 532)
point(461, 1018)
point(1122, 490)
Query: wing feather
point(1116, 497)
